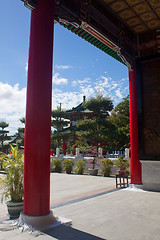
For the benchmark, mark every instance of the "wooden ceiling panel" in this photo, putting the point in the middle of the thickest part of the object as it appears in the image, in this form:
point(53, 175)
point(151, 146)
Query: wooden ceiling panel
point(141, 8)
point(133, 21)
point(140, 28)
point(158, 12)
point(126, 14)
point(118, 6)
point(147, 16)
point(153, 24)
point(132, 2)
point(139, 15)
point(154, 3)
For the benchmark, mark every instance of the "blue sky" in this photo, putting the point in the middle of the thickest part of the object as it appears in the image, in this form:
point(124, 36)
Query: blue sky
point(78, 67)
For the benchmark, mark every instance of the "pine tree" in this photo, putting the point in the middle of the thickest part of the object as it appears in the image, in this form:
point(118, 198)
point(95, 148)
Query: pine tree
point(120, 118)
point(59, 121)
point(97, 129)
point(21, 133)
point(3, 134)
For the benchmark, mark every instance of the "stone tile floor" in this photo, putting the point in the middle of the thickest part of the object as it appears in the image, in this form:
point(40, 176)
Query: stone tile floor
point(98, 211)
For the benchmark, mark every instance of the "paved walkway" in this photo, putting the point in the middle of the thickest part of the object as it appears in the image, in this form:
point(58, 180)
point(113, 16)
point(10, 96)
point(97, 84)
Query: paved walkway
point(98, 211)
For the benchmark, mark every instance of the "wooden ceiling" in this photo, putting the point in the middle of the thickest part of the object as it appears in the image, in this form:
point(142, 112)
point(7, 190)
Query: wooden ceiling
point(139, 15)
point(131, 25)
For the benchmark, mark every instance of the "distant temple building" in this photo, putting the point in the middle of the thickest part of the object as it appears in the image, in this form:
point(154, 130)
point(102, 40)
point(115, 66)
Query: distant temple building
point(75, 114)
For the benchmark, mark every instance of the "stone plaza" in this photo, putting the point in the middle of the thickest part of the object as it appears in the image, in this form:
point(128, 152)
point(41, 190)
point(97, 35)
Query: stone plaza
point(97, 209)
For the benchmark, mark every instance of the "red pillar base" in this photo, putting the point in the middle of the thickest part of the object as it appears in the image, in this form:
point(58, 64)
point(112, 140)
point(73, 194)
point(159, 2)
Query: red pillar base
point(42, 223)
point(38, 222)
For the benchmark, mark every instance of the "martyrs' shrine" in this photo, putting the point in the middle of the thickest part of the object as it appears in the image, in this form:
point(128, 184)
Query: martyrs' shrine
point(127, 30)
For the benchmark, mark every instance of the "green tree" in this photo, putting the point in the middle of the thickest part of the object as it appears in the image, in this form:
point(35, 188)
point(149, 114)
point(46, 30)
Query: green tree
point(3, 135)
point(21, 133)
point(70, 146)
point(82, 144)
point(99, 105)
point(59, 121)
point(120, 118)
point(97, 129)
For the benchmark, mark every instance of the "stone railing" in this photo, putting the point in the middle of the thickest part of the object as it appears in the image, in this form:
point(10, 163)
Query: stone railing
point(113, 156)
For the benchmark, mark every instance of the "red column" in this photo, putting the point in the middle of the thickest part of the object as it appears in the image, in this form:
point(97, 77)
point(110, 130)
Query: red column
point(38, 111)
point(135, 163)
point(71, 122)
point(64, 147)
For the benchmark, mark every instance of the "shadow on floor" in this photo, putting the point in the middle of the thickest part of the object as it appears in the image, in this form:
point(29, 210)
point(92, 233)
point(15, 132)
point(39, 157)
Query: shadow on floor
point(82, 198)
point(63, 232)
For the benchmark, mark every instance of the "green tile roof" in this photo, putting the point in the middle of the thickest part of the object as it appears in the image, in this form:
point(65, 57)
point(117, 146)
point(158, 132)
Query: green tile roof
point(80, 108)
point(115, 53)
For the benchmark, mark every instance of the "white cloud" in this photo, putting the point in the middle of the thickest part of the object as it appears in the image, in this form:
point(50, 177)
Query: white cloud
point(114, 85)
point(85, 80)
point(100, 89)
point(80, 82)
point(74, 83)
point(87, 90)
point(63, 67)
point(71, 99)
point(118, 93)
point(89, 87)
point(12, 105)
point(67, 99)
point(59, 80)
point(107, 82)
point(26, 67)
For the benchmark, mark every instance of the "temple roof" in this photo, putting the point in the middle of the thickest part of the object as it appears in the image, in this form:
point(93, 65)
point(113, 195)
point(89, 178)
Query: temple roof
point(78, 109)
point(124, 29)
point(68, 130)
point(10, 141)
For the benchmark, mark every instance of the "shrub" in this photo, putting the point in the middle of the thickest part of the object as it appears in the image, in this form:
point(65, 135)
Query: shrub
point(80, 167)
point(57, 167)
point(68, 165)
point(122, 163)
point(107, 167)
point(13, 183)
point(2, 158)
point(93, 152)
